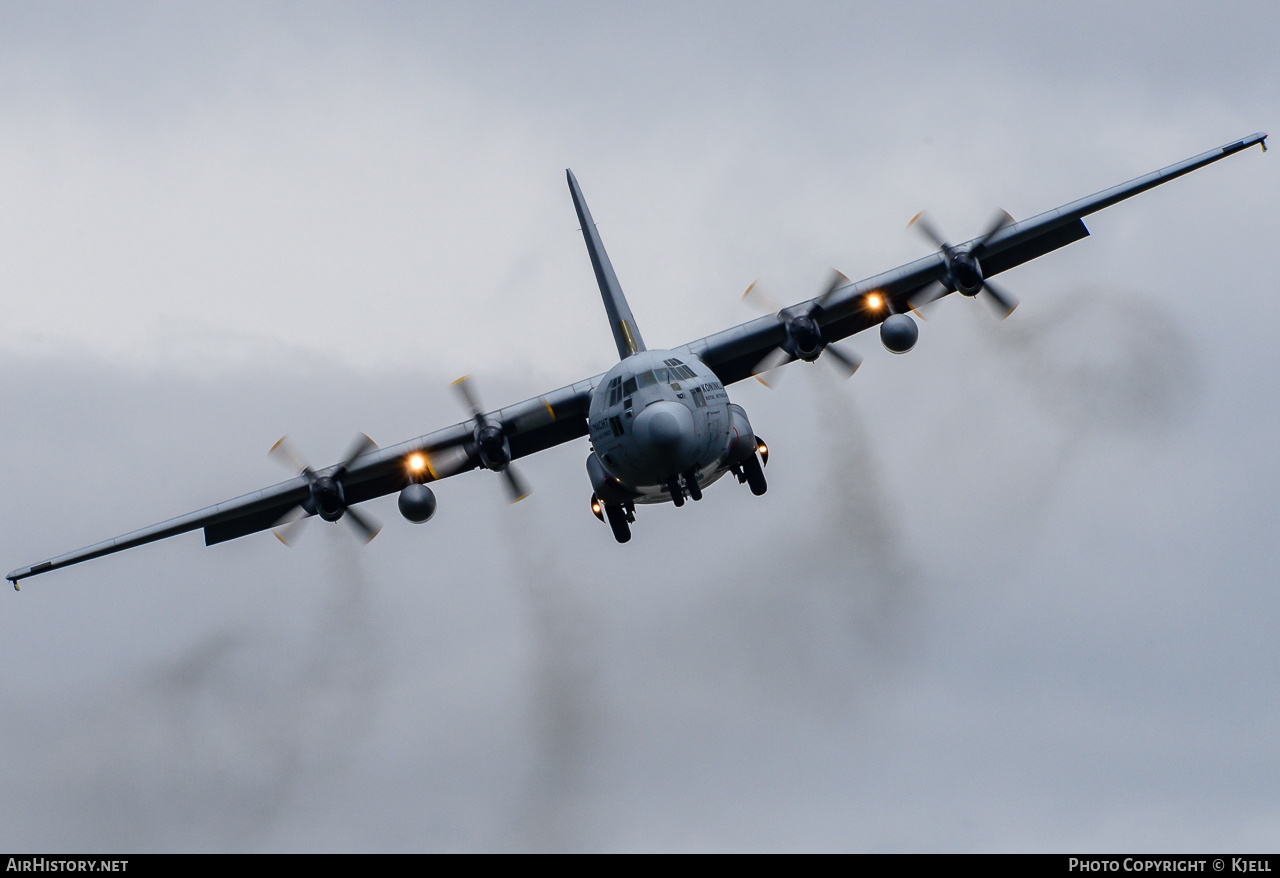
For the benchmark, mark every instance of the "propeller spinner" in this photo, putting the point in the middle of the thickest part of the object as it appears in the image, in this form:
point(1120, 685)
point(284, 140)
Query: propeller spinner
point(964, 273)
point(490, 442)
point(327, 498)
point(804, 335)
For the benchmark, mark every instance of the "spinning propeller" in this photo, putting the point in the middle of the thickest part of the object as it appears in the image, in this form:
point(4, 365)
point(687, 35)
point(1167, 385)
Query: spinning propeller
point(964, 274)
point(804, 336)
point(490, 442)
point(327, 498)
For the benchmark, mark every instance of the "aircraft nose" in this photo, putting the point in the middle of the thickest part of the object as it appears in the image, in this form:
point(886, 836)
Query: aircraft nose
point(667, 431)
point(664, 430)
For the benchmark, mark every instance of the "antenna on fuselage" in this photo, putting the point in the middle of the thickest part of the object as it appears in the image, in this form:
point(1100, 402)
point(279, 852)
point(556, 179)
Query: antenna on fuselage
point(625, 331)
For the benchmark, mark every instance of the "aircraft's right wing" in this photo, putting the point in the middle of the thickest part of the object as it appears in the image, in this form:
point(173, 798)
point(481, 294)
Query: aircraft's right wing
point(532, 425)
point(733, 352)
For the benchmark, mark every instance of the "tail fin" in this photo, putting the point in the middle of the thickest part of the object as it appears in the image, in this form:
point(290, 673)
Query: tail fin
point(625, 331)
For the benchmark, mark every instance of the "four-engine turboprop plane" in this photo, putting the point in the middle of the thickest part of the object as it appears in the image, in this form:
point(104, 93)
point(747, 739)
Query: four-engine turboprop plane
point(660, 422)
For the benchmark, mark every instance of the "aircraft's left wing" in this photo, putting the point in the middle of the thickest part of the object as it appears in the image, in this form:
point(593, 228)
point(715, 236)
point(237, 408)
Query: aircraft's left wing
point(531, 426)
point(733, 352)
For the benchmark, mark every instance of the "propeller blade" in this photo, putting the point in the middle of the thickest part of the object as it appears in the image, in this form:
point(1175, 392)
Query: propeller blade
point(291, 525)
point(770, 361)
point(284, 452)
point(757, 298)
point(844, 362)
point(1003, 301)
point(835, 282)
point(364, 526)
point(1001, 220)
point(361, 445)
point(463, 388)
point(517, 489)
point(926, 297)
point(921, 222)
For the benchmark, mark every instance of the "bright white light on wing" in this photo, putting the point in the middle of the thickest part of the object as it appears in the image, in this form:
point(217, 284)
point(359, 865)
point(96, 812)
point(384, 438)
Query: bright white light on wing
point(417, 463)
point(874, 302)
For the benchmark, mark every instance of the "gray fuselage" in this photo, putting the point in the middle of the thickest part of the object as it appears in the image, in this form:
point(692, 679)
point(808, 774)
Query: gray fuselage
point(661, 414)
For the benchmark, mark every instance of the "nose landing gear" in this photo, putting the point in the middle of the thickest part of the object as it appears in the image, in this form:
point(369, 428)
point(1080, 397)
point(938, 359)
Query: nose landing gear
point(691, 485)
point(676, 491)
point(679, 486)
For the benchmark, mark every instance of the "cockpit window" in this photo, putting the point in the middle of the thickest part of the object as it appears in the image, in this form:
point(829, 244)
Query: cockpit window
point(677, 371)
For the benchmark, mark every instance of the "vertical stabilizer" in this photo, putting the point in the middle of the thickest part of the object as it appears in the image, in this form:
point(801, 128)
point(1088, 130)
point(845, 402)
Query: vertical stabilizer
point(625, 331)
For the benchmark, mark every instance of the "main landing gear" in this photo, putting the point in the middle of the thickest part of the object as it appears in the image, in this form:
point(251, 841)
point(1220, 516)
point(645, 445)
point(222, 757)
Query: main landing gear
point(753, 475)
point(620, 522)
point(751, 471)
point(619, 516)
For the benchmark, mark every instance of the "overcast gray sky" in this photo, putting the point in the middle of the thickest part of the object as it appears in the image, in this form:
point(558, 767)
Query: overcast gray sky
point(1012, 591)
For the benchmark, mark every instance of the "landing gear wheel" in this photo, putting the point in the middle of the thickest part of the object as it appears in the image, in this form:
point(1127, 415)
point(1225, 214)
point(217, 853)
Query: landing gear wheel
point(618, 522)
point(755, 475)
point(692, 486)
point(676, 492)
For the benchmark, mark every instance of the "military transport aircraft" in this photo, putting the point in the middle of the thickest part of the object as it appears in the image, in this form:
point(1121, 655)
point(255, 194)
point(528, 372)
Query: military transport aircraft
point(661, 425)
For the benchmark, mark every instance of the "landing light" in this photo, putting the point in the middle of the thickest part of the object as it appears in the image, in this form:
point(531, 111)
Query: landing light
point(874, 302)
point(417, 463)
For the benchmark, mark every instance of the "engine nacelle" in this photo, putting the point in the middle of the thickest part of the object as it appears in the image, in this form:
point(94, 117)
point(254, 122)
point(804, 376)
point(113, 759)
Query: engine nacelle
point(417, 503)
point(327, 498)
point(898, 333)
point(805, 337)
point(492, 447)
